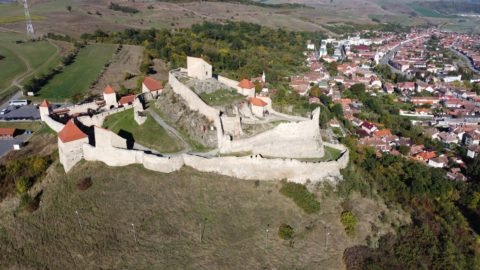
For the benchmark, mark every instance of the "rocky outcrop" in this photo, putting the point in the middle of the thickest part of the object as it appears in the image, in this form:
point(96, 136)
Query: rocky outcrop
point(194, 124)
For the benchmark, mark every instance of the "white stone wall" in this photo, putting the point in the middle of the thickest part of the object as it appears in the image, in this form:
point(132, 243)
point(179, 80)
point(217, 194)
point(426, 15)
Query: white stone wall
point(295, 140)
point(54, 125)
point(228, 82)
point(71, 152)
point(110, 100)
point(97, 119)
point(258, 168)
point(198, 68)
point(44, 112)
point(137, 109)
point(82, 108)
point(194, 103)
point(232, 125)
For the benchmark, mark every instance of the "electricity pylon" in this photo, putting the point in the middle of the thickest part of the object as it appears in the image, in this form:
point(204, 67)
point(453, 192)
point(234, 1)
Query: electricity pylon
point(28, 19)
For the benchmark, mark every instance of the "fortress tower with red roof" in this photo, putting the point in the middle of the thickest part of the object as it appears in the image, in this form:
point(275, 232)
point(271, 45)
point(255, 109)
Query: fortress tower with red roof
point(70, 144)
point(110, 97)
point(44, 109)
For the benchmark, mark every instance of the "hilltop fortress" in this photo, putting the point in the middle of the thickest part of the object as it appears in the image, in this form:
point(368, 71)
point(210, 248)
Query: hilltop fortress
point(274, 154)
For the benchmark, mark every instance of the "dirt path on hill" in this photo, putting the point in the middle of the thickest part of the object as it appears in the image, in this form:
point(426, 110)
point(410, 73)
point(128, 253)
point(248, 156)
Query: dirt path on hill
point(30, 71)
point(171, 130)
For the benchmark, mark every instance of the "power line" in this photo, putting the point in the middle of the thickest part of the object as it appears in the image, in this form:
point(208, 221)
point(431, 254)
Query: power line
point(28, 19)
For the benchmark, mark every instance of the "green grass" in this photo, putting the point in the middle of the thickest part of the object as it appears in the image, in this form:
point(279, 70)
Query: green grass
point(77, 77)
point(150, 134)
point(18, 18)
point(427, 12)
point(221, 97)
point(40, 55)
point(301, 196)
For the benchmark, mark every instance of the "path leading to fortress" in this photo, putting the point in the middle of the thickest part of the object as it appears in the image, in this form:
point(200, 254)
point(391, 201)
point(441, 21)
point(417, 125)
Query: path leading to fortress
point(171, 130)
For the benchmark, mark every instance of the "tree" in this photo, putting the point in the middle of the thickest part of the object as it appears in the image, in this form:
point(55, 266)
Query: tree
point(69, 8)
point(315, 91)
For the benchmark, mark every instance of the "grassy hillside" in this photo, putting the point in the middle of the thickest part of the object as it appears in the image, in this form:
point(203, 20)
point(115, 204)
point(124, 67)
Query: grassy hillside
point(150, 134)
point(77, 77)
point(23, 58)
point(169, 213)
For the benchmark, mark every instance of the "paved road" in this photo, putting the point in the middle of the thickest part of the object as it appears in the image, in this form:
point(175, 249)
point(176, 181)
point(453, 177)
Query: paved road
point(468, 60)
point(7, 144)
point(389, 55)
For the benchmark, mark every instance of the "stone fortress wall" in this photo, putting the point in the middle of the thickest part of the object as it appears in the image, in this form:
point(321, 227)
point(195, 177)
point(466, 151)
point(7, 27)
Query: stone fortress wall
point(295, 140)
point(287, 140)
point(97, 119)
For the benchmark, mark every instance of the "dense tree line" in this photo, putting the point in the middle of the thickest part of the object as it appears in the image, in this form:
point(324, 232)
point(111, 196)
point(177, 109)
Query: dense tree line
point(125, 9)
point(439, 236)
point(235, 49)
point(442, 210)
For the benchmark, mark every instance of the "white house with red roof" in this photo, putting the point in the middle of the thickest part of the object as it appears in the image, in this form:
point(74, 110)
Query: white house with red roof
point(150, 85)
point(246, 87)
point(259, 107)
point(110, 97)
point(70, 142)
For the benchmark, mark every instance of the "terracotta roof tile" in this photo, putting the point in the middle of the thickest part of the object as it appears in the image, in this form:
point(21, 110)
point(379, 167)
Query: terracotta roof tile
point(258, 102)
point(7, 132)
point(246, 84)
point(44, 103)
point(71, 132)
point(152, 84)
point(126, 99)
point(108, 90)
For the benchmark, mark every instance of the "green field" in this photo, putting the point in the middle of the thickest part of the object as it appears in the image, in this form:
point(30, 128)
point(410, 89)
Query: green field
point(77, 77)
point(427, 12)
point(39, 56)
point(150, 134)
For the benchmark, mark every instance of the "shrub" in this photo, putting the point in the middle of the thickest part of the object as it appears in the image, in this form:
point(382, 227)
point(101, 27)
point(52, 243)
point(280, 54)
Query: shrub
point(301, 196)
point(349, 221)
point(84, 184)
point(23, 184)
point(285, 231)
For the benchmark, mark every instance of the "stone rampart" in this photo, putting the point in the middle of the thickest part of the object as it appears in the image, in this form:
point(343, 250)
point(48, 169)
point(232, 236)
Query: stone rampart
point(294, 140)
point(54, 125)
point(82, 108)
point(195, 103)
point(257, 168)
point(228, 82)
point(97, 119)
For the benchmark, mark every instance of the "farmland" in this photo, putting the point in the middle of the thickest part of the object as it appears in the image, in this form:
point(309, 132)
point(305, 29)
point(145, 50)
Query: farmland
point(77, 77)
point(25, 59)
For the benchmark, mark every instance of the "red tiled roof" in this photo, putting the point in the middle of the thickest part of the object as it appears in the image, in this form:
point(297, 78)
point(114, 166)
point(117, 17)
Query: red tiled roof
point(258, 102)
point(126, 99)
point(382, 133)
point(427, 155)
point(7, 132)
point(108, 90)
point(44, 103)
point(246, 84)
point(152, 84)
point(71, 132)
